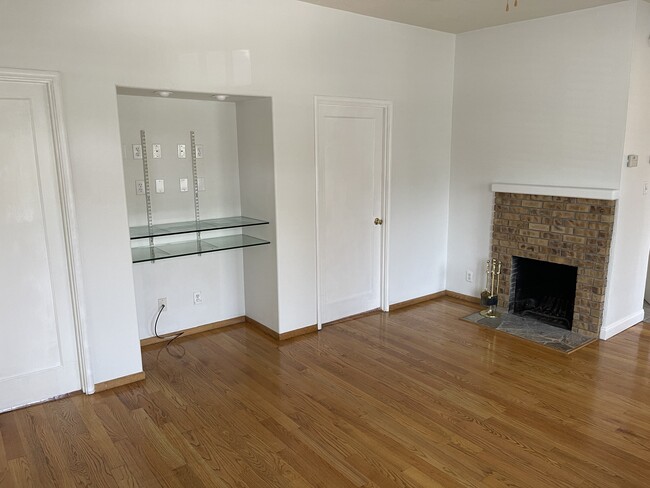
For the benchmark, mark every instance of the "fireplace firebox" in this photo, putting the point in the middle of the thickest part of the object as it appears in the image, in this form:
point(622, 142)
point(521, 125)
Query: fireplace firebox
point(543, 290)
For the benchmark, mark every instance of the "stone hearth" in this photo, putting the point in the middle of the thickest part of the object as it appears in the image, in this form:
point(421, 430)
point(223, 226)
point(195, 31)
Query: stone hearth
point(563, 230)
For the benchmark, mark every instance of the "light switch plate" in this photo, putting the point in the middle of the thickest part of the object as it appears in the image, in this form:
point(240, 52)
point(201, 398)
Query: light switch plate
point(199, 151)
point(181, 151)
point(200, 182)
point(183, 184)
point(160, 186)
point(139, 187)
point(632, 161)
point(137, 151)
point(156, 151)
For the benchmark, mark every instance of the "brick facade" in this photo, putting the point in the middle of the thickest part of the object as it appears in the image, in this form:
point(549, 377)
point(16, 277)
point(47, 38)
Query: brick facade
point(572, 231)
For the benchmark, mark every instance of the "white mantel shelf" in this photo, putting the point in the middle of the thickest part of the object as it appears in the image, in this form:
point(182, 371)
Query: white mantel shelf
point(557, 191)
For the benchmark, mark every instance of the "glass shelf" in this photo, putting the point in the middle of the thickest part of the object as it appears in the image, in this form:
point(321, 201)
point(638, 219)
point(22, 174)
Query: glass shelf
point(189, 248)
point(175, 228)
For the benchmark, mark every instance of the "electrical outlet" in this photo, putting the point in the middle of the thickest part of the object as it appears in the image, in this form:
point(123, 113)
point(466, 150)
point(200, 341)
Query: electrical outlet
point(137, 151)
point(469, 276)
point(183, 184)
point(181, 151)
point(160, 186)
point(199, 151)
point(197, 298)
point(156, 151)
point(139, 187)
point(161, 302)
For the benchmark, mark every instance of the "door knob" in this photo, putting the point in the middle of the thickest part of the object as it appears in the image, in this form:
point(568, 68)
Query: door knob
point(378, 221)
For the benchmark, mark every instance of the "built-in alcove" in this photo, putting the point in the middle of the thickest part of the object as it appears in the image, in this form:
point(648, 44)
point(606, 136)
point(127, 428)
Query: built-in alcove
point(234, 165)
point(543, 290)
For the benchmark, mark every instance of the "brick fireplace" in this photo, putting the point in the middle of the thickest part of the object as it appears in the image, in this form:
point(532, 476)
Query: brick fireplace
point(562, 230)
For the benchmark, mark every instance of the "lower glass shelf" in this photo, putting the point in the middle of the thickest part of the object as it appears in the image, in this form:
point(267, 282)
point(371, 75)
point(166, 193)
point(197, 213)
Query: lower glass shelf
point(189, 248)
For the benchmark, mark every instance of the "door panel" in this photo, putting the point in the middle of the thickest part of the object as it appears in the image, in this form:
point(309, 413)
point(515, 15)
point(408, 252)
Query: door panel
point(350, 164)
point(38, 357)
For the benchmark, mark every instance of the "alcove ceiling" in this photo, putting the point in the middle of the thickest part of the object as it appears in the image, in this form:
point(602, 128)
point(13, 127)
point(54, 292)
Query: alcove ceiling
point(458, 16)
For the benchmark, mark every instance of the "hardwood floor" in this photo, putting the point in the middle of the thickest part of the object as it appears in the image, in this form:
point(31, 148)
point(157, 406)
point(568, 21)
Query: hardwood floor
point(414, 398)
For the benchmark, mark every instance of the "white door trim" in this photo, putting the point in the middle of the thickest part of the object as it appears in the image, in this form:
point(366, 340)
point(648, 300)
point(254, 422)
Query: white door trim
point(387, 107)
point(52, 83)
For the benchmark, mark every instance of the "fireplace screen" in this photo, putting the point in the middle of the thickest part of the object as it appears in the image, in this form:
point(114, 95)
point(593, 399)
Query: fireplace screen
point(543, 290)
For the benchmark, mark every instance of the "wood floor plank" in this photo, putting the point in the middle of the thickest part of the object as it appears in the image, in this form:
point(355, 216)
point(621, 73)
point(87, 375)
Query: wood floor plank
point(166, 455)
point(47, 461)
point(316, 470)
point(135, 459)
point(11, 439)
point(97, 434)
point(3, 455)
point(222, 458)
point(21, 475)
point(124, 478)
point(205, 468)
point(413, 398)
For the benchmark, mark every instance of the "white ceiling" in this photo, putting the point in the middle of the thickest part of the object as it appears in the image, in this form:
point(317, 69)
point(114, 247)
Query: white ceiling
point(458, 16)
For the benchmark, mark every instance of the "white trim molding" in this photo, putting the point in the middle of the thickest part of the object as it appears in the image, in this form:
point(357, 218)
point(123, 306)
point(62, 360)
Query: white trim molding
point(52, 82)
point(609, 331)
point(557, 191)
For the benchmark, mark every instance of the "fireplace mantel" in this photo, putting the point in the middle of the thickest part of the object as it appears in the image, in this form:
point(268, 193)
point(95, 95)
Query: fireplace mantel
point(557, 191)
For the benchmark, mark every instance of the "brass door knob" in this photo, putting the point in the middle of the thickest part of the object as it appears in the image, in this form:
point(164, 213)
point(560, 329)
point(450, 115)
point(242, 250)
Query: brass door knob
point(378, 221)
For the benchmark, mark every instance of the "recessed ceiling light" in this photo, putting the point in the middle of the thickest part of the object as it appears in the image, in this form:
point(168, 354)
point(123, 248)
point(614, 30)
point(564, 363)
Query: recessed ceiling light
point(163, 93)
point(221, 98)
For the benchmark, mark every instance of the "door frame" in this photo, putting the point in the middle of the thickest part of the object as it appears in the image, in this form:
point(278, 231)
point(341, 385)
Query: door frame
point(51, 81)
point(387, 109)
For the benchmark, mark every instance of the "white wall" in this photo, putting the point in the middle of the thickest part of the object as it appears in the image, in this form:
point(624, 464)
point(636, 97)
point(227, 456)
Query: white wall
point(286, 49)
point(537, 102)
point(629, 257)
point(257, 177)
point(168, 122)
point(329, 52)
point(218, 276)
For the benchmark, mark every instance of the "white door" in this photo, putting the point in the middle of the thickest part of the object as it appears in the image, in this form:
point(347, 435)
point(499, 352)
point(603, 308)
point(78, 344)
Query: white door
point(38, 353)
point(351, 161)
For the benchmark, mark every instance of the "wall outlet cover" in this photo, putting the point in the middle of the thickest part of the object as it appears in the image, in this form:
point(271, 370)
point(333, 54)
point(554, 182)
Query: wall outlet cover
point(156, 151)
point(137, 151)
point(183, 184)
point(181, 151)
point(139, 187)
point(199, 151)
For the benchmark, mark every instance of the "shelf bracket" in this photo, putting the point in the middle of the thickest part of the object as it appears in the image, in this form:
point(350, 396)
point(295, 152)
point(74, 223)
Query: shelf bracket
point(195, 185)
point(147, 192)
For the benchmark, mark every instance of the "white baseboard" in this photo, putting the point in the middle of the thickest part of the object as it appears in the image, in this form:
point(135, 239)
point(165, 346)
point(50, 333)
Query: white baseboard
point(609, 331)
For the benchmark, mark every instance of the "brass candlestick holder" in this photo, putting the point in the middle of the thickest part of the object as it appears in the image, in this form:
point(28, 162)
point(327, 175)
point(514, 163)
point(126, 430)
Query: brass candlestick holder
point(490, 296)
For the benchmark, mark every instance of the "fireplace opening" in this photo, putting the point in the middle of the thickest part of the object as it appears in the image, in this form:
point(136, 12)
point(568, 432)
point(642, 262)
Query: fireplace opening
point(543, 290)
